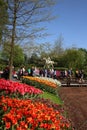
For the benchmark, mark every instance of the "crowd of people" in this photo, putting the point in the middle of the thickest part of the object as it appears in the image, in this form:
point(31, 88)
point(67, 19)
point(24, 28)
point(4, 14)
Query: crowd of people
point(51, 73)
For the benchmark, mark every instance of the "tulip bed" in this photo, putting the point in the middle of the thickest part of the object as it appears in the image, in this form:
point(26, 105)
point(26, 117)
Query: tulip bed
point(21, 112)
point(44, 83)
point(18, 90)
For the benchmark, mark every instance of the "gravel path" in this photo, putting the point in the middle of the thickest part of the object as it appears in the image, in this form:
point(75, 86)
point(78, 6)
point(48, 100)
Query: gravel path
point(75, 103)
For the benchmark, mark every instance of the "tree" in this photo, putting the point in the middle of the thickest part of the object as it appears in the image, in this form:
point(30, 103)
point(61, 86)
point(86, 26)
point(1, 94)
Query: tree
point(18, 58)
point(3, 19)
point(74, 58)
point(34, 59)
point(85, 53)
point(58, 47)
point(24, 16)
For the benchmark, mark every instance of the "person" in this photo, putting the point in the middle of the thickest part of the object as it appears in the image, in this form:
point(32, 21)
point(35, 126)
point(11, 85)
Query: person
point(14, 74)
point(32, 71)
point(68, 80)
point(70, 73)
point(77, 74)
point(65, 73)
point(81, 75)
point(5, 73)
point(23, 70)
point(20, 73)
point(29, 71)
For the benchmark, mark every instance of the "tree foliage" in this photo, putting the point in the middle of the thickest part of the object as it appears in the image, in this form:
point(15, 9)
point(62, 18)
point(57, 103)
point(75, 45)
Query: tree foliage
point(74, 58)
point(18, 58)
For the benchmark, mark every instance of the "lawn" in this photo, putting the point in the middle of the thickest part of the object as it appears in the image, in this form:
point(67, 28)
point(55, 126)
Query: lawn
point(52, 97)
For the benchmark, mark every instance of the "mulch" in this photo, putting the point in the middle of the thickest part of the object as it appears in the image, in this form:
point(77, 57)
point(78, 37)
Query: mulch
point(75, 104)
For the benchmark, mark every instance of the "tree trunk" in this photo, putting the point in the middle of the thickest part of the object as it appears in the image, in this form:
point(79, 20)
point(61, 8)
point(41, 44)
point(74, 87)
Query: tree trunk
point(12, 42)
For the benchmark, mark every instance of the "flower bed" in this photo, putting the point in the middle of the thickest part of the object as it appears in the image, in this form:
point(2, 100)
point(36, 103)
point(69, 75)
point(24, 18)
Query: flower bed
point(55, 81)
point(18, 90)
point(26, 114)
point(20, 109)
point(46, 84)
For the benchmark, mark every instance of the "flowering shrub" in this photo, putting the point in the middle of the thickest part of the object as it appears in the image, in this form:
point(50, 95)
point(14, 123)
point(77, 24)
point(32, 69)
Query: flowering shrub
point(16, 89)
point(26, 114)
point(47, 84)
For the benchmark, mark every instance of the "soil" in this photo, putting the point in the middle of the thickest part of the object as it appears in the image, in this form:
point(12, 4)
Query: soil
point(75, 104)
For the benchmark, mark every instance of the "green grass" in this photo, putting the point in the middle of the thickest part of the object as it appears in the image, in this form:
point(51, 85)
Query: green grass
point(52, 97)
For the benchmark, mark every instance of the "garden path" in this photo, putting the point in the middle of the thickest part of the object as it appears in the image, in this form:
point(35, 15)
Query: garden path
point(75, 103)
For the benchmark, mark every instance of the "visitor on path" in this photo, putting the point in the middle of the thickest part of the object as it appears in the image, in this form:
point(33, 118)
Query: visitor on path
point(21, 72)
point(32, 70)
point(5, 73)
point(29, 72)
point(81, 75)
point(68, 80)
point(77, 74)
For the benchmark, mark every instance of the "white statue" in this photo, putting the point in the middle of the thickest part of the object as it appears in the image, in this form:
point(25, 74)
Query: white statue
point(48, 62)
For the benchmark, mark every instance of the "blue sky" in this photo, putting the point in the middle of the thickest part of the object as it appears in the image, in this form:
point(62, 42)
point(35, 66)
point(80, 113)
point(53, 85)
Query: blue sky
point(71, 23)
